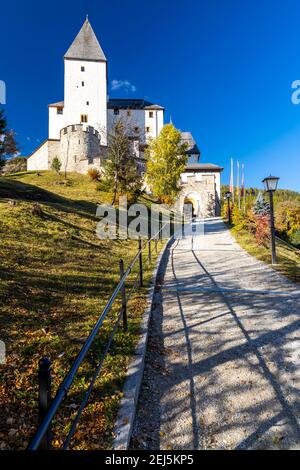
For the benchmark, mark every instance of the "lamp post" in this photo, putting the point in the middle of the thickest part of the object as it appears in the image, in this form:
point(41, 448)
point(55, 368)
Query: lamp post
point(271, 183)
point(228, 196)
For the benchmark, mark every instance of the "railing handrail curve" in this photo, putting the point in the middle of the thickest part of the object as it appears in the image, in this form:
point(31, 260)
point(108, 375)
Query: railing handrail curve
point(68, 380)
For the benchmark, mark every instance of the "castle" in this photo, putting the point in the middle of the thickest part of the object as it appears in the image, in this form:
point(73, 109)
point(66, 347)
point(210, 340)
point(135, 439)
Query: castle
point(79, 126)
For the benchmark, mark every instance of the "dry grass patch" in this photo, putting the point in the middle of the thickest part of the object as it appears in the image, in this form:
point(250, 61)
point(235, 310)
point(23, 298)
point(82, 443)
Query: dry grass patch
point(288, 259)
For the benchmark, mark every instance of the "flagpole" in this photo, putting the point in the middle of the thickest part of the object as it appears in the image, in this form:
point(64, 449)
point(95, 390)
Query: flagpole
point(243, 186)
point(231, 188)
point(238, 183)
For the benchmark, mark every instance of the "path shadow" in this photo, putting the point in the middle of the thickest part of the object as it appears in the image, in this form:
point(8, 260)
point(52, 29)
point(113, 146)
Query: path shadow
point(146, 432)
point(250, 337)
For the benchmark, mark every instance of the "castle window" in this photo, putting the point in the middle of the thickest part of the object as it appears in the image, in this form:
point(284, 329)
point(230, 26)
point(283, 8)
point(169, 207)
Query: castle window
point(83, 118)
point(59, 110)
point(150, 114)
point(73, 128)
point(82, 83)
point(87, 103)
point(147, 129)
point(116, 112)
point(82, 69)
point(75, 158)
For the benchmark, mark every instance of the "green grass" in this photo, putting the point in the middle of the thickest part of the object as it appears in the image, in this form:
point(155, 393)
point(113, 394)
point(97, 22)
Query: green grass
point(55, 278)
point(288, 259)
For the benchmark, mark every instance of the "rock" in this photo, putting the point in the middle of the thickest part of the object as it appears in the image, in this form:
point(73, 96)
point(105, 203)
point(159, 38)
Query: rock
point(37, 210)
point(12, 202)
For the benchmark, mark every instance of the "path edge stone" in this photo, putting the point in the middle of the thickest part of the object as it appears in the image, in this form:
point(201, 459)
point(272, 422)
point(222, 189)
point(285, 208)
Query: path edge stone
point(131, 388)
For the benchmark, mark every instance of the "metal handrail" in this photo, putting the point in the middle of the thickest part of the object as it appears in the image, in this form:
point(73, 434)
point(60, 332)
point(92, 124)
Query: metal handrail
point(68, 380)
point(297, 250)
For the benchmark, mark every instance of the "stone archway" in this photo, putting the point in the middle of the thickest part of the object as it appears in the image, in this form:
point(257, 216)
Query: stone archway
point(192, 201)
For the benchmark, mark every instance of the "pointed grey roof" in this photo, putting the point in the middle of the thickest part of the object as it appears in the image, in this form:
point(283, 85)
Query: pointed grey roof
point(192, 148)
point(85, 46)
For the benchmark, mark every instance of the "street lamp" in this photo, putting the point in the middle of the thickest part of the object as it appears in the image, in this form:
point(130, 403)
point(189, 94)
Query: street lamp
point(271, 183)
point(228, 196)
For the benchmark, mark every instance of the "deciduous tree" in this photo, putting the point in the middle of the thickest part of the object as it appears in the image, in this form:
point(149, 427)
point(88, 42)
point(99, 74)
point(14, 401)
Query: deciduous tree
point(121, 171)
point(56, 165)
point(166, 160)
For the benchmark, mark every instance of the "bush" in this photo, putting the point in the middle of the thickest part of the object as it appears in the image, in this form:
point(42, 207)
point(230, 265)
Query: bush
point(166, 200)
point(104, 186)
point(295, 238)
point(56, 165)
point(257, 220)
point(15, 165)
point(239, 219)
point(94, 174)
point(262, 230)
point(256, 224)
point(287, 216)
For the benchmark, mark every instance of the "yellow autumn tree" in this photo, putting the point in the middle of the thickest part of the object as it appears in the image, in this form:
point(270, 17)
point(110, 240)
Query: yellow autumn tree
point(166, 160)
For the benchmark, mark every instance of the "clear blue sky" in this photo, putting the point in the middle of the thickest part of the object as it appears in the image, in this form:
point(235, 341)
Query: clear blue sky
point(222, 68)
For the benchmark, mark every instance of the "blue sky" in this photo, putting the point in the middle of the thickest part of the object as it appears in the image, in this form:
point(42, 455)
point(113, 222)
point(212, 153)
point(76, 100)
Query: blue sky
point(222, 68)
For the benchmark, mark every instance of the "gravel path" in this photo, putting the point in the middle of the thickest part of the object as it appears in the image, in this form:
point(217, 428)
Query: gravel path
point(223, 360)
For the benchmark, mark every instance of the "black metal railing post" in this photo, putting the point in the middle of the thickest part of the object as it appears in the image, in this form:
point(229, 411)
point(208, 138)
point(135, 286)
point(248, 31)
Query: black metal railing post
point(156, 245)
point(149, 250)
point(172, 223)
point(44, 377)
point(123, 293)
point(140, 263)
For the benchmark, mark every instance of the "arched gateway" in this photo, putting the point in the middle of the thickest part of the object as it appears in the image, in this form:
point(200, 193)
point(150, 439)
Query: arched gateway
point(192, 204)
point(201, 189)
point(200, 183)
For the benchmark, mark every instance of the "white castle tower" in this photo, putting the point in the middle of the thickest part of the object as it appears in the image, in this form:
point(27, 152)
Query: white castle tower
point(85, 87)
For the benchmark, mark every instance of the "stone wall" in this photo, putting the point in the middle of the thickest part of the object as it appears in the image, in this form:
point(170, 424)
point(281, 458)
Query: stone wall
point(80, 148)
point(42, 158)
point(53, 151)
point(201, 189)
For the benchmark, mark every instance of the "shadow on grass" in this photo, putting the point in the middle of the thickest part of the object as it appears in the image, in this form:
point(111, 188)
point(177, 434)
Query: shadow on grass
point(12, 189)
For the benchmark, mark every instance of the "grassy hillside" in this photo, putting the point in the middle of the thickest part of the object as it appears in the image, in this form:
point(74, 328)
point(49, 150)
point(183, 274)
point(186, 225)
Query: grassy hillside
point(55, 278)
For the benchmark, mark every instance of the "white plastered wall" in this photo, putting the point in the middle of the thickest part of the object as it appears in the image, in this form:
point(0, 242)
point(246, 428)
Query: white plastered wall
point(93, 92)
point(56, 122)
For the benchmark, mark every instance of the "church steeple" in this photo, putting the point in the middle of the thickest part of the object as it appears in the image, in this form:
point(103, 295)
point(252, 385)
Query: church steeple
point(86, 46)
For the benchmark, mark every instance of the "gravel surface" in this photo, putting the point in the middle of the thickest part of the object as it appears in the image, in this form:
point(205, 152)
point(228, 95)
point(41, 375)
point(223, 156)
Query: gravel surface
point(223, 359)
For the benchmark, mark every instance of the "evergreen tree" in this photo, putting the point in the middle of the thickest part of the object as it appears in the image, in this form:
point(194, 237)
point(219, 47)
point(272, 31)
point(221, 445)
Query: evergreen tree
point(261, 207)
point(166, 160)
point(8, 146)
